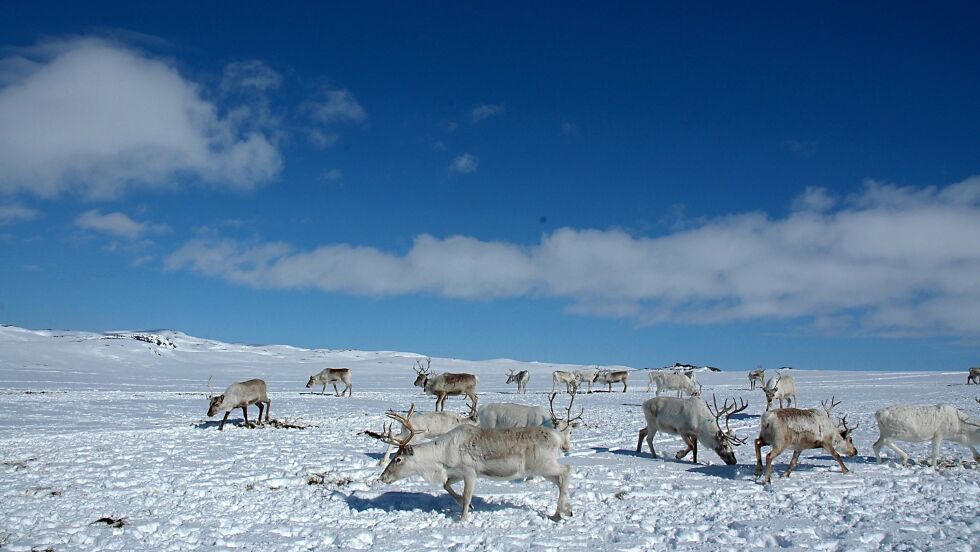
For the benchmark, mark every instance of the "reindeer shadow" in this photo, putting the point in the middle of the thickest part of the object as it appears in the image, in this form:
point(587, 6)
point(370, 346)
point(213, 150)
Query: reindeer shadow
point(744, 416)
point(400, 501)
point(622, 452)
point(733, 473)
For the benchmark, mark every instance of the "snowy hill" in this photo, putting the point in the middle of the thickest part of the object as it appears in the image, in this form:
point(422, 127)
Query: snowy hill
point(113, 425)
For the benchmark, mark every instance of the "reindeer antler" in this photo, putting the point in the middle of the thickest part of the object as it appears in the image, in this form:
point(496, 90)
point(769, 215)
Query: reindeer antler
point(406, 422)
point(568, 411)
point(829, 410)
point(727, 410)
point(842, 422)
point(210, 389)
point(423, 370)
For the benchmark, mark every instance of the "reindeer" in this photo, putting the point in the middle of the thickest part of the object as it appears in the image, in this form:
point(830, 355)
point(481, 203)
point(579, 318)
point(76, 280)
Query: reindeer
point(468, 452)
point(780, 387)
point(695, 421)
point(239, 395)
point(757, 376)
point(609, 378)
point(332, 376)
point(586, 376)
point(520, 378)
point(800, 430)
point(973, 376)
point(667, 381)
point(509, 415)
point(567, 378)
point(427, 424)
point(938, 423)
point(445, 384)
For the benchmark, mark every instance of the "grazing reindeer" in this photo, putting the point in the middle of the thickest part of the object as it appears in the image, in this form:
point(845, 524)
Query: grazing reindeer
point(520, 378)
point(445, 384)
point(567, 378)
point(938, 423)
point(798, 429)
point(668, 381)
point(332, 376)
point(695, 422)
point(609, 378)
point(509, 415)
point(780, 387)
point(973, 376)
point(240, 395)
point(586, 376)
point(429, 424)
point(757, 376)
point(468, 452)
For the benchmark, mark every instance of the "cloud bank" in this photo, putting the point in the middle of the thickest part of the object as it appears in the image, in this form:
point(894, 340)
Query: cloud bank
point(117, 224)
point(93, 116)
point(889, 261)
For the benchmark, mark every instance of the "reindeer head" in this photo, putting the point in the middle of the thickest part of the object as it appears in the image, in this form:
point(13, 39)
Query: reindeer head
point(402, 465)
point(422, 372)
point(511, 377)
point(564, 425)
point(770, 388)
point(214, 400)
point(846, 443)
point(724, 440)
point(310, 383)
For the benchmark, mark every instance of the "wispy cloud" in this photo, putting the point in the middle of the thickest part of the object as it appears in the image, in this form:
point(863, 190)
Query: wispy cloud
point(889, 261)
point(251, 74)
point(118, 225)
point(464, 164)
point(814, 198)
point(96, 116)
point(337, 106)
point(485, 111)
point(801, 149)
point(10, 214)
point(569, 129)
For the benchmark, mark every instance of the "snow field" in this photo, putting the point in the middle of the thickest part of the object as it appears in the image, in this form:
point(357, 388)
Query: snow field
point(92, 427)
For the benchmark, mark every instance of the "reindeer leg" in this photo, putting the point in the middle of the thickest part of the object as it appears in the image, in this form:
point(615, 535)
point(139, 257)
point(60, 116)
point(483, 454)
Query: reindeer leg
point(468, 481)
point(694, 445)
point(624, 387)
point(350, 390)
point(936, 441)
point(639, 440)
point(833, 452)
point(792, 462)
point(773, 453)
point(877, 448)
point(259, 404)
point(682, 453)
point(561, 481)
point(223, 420)
point(976, 456)
point(901, 453)
point(268, 407)
point(448, 485)
point(335, 392)
point(759, 443)
point(324, 390)
point(245, 413)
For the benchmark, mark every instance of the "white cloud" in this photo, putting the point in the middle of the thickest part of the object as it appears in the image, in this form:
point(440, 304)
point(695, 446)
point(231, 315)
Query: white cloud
point(814, 198)
point(94, 116)
point(464, 164)
point(332, 175)
point(250, 75)
point(893, 261)
point(570, 129)
point(117, 224)
point(486, 111)
point(10, 214)
point(337, 106)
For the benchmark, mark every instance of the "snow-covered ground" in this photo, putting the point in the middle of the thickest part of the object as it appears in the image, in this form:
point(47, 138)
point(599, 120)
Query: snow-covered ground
point(105, 425)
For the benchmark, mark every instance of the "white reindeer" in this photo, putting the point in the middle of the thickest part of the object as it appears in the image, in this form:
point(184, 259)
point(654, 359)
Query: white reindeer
point(567, 378)
point(610, 377)
point(973, 376)
point(240, 395)
point(913, 424)
point(586, 376)
point(780, 387)
point(757, 376)
point(445, 384)
point(468, 452)
point(668, 381)
point(509, 415)
point(520, 378)
point(427, 424)
point(332, 376)
point(799, 430)
point(694, 421)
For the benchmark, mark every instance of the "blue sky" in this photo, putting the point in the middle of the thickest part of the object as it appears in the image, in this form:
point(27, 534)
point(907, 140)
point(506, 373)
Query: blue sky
point(775, 185)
